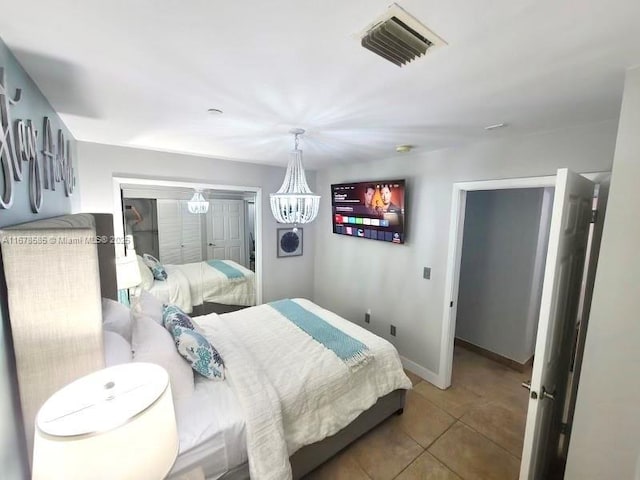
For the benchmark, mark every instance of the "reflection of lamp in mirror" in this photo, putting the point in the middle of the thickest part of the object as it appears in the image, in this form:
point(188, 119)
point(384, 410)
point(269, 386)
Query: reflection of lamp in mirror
point(127, 275)
point(127, 271)
point(116, 424)
point(198, 204)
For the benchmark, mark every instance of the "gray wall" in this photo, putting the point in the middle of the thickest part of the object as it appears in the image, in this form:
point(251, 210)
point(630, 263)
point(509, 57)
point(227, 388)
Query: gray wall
point(605, 442)
point(353, 274)
point(499, 253)
point(33, 106)
point(282, 277)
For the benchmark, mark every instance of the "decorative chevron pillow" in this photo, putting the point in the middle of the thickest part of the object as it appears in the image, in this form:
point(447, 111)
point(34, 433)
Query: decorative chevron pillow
point(197, 350)
point(191, 344)
point(158, 271)
point(173, 315)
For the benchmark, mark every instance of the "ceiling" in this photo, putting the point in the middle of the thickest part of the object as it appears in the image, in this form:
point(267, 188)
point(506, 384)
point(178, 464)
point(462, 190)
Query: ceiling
point(143, 73)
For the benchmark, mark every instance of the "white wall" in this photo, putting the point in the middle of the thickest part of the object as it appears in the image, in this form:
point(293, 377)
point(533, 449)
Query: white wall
point(605, 442)
point(282, 277)
point(353, 274)
point(499, 251)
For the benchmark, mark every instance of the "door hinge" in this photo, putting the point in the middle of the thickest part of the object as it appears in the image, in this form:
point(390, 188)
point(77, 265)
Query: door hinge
point(564, 428)
point(450, 304)
point(594, 216)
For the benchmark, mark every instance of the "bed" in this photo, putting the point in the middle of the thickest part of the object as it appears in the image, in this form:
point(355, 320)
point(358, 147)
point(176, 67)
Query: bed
point(193, 284)
point(276, 371)
point(285, 407)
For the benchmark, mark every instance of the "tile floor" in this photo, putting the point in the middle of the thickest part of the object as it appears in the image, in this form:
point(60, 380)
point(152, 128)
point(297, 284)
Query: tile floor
point(472, 431)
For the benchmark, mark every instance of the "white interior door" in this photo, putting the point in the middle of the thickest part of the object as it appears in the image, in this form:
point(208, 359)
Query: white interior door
point(584, 309)
point(560, 295)
point(191, 243)
point(225, 231)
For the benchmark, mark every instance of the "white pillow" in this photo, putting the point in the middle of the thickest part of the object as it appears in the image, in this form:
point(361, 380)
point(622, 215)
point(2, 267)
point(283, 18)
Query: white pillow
point(147, 305)
point(152, 343)
point(116, 318)
point(116, 349)
point(145, 274)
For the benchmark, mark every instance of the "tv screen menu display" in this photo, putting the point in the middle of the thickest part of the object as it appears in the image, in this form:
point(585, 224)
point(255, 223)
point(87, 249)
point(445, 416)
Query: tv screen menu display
point(373, 210)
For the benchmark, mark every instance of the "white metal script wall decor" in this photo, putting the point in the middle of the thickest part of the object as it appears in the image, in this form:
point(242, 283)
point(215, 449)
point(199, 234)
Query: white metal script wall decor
point(20, 144)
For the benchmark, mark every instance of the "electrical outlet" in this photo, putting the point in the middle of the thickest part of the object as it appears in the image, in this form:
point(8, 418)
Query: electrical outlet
point(367, 317)
point(426, 273)
point(393, 330)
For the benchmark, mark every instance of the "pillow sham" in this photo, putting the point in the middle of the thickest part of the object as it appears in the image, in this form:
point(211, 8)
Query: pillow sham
point(147, 305)
point(152, 343)
point(116, 349)
point(146, 276)
point(174, 315)
point(158, 271)
point(116, 318)
point(197, 350)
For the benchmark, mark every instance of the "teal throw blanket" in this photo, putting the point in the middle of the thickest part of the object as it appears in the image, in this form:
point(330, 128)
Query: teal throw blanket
point(347, 348)
point(231, 273)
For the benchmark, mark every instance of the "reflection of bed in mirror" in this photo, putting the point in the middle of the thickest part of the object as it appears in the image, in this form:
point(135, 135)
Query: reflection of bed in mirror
point(161, 223)
point(218, 286)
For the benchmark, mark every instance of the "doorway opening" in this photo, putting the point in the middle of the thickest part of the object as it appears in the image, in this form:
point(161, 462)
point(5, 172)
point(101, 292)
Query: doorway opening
point(505, 236)
point(565, 212)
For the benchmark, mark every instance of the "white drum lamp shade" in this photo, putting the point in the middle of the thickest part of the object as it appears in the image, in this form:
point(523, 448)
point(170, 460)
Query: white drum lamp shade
point(116, 424)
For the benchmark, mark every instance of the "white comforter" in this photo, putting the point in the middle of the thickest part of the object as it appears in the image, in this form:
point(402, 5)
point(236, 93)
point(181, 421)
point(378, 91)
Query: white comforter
point(292, 389)
point(193, 284)
point(208, 284)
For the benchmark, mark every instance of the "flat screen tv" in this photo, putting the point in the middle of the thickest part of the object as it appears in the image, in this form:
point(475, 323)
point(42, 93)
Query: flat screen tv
point(373, 210)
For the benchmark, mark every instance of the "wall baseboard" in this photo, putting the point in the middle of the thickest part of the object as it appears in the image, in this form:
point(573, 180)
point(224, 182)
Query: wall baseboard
point(422, 372)
point(496, 357)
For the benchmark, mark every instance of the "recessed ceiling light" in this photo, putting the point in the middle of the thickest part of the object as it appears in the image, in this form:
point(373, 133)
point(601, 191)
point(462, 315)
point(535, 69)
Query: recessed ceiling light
point(215, 111)
point(494, 126)
point(404, 148)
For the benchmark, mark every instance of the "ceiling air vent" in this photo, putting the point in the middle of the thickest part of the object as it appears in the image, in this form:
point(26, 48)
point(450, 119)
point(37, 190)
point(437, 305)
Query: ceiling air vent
point(399, 37)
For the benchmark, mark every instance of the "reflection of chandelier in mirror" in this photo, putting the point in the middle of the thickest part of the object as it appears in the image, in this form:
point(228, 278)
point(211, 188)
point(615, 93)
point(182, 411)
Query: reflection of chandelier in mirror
point(198, 204)
point(295, 203)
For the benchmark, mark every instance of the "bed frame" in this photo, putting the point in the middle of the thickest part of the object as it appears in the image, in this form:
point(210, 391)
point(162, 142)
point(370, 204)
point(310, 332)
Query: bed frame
point(308, 458)
point(56, 287)
point(219, 308)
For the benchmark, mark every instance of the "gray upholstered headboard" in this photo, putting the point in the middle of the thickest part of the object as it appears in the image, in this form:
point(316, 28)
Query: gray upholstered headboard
point(56, 271)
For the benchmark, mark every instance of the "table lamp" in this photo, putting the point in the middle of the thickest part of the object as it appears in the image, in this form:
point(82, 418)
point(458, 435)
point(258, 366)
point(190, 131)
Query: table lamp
point(127, 275)
point(116, 424)
point(127, 271)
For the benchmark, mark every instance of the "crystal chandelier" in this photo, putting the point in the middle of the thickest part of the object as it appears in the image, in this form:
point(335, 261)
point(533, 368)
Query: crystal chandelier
point(198, 204)
point(295, 203)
